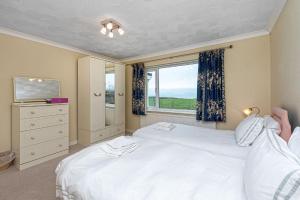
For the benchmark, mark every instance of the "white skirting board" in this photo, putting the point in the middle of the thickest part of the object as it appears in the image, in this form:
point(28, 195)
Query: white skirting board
point(152, 118)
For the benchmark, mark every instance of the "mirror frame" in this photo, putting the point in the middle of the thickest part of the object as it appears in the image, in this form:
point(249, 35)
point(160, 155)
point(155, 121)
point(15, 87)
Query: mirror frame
point(32, 100)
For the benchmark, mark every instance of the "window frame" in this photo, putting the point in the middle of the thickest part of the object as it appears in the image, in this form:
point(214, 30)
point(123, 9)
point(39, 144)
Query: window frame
point(156, 108)
point(153, 69)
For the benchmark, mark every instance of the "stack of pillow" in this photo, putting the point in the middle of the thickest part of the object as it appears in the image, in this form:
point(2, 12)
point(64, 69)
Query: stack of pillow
point(272, 169)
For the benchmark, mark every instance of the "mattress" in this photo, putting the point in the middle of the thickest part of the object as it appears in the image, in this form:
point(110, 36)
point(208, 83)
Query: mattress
point(156, 170)
point(215, 141)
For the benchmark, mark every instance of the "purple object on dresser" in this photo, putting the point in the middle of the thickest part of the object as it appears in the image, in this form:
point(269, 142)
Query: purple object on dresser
point(58, 100)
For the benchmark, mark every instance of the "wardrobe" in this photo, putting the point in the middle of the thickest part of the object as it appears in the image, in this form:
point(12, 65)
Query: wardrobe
point(101, 100)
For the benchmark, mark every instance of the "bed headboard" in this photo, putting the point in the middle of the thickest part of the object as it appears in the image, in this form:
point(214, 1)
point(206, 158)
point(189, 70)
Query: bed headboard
point(281, 116)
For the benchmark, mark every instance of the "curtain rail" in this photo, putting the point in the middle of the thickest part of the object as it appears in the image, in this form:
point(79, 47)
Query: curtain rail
point(187, 54)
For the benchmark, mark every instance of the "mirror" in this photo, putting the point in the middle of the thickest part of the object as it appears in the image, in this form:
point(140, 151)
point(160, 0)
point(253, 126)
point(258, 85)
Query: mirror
point(35, 89)
point(109, 94)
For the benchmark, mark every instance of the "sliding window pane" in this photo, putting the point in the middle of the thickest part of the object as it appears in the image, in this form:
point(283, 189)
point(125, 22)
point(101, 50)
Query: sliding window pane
point(178, 87)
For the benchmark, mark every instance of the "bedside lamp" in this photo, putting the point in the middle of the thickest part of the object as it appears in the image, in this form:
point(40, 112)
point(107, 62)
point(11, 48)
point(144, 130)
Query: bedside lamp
point(249, 111)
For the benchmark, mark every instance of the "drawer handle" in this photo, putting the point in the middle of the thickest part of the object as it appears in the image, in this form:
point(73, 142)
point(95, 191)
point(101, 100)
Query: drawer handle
point(32, 124)
point(32, 112)
point(60, 110)
point(97, 94)
point(32, 138)
point(121, 94)
point(60, 132)
point(32, 153)
point(60, 145)
point(61, 120)
point(100, 135)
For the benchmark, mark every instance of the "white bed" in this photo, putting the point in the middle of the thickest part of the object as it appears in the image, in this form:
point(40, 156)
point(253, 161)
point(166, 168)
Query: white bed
point(216, 141)
point(164, 166)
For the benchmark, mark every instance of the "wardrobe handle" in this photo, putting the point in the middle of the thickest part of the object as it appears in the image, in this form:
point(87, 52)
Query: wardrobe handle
point(97, 94)
point(121, 94)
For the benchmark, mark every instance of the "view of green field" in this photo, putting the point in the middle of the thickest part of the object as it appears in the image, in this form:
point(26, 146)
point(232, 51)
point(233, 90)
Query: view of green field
point(174, 103)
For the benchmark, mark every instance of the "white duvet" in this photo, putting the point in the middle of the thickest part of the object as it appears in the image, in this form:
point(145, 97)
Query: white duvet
point(216, 141)
point(156, 170)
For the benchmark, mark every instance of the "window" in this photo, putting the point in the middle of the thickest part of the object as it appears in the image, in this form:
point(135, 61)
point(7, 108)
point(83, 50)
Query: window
point(110, 88)
point(172, 87)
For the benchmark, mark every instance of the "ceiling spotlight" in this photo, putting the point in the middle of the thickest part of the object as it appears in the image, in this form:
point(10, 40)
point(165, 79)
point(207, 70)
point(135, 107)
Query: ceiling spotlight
point(109, 25)
point(103, 30)
point(121, 31)
point(111, 34)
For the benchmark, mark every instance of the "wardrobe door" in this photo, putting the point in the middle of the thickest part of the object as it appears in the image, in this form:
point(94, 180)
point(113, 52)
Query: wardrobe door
point(120, 94)
point(97, 92)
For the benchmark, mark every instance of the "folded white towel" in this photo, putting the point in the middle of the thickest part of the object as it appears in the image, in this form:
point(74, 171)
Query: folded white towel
point(117, 152)
point(120, 142)
point(119, 146)
point(164, 126)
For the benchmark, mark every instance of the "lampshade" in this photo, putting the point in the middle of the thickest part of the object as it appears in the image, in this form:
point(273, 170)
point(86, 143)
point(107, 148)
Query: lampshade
point(249, 111)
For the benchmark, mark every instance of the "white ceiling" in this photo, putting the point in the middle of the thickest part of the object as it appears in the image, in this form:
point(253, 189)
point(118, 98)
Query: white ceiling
point(150, 25)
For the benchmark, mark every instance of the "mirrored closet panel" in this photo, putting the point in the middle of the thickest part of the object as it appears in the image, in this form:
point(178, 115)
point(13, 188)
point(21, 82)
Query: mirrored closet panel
point(110, 86)
point(101, 100)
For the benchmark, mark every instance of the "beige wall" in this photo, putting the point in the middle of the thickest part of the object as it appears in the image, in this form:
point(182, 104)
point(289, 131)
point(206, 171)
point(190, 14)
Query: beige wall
point(247, 79)
point(247, 74)
point(27, 58)
point(285, 61)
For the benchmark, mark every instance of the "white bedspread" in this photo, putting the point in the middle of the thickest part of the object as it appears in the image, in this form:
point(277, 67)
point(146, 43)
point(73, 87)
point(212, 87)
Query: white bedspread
point(212, 140)
point(154, 171)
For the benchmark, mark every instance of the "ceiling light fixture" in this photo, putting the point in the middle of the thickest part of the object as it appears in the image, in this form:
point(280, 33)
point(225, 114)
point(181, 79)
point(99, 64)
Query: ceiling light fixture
point(109, 26)
point(121, 31)
point(111, 34)
point(103, 30)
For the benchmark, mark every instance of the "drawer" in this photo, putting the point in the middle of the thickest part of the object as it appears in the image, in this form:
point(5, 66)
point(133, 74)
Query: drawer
point(99, 135)
point(117, 130)
point(42, 122)
point(42, 111)
point(37, 136)
point(34, 152)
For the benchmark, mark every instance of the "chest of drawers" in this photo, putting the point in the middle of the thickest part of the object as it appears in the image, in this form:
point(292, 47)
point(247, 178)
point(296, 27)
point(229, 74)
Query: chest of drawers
point(40, 132)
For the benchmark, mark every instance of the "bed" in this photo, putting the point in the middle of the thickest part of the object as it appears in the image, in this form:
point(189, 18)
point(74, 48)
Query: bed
point(185, 163)
point(215, 141)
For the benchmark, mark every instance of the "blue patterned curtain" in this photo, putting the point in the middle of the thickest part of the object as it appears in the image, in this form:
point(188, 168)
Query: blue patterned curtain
point(138, 89)
point(211, 87)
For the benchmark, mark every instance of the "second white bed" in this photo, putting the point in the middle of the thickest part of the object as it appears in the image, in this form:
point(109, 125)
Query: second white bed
point(215, 141)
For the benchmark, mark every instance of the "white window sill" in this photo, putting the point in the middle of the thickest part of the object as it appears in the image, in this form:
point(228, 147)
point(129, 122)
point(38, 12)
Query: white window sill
point(171, 111)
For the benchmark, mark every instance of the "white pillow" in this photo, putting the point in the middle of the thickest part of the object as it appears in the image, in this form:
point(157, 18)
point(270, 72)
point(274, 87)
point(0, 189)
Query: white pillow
point(272, 172)
point(248, 130)
point(294, 142)
point(271, 123)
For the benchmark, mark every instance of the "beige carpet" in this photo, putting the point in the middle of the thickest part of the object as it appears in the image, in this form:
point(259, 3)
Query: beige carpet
point(35, 183)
